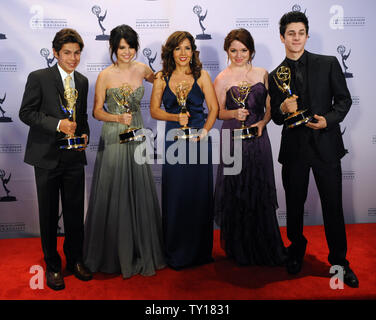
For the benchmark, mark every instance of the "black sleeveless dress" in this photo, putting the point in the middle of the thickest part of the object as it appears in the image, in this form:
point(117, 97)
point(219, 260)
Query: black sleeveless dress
point(187, 191)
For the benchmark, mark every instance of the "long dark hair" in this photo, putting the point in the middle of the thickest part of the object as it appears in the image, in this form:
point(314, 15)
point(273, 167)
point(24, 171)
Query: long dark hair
point(168, 63)
point(122, 32)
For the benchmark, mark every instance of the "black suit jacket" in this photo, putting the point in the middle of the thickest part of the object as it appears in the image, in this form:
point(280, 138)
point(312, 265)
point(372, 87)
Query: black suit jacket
point(41, 110)
point(328, 96)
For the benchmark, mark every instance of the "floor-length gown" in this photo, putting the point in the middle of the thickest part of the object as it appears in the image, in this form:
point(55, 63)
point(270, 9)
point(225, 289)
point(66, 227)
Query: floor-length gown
point(245, 204)
point(123, 232)
point(187, 190)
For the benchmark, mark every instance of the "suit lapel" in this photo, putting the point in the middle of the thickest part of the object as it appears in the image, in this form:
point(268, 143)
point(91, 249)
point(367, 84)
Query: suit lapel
point(78, 85)
point(313, 70)
point(58, 82)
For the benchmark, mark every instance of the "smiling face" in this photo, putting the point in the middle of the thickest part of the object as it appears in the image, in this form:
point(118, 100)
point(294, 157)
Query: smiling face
point(294, 39)
point(238, 53)
point(125, 53)
point(68, 57)
point(182, 54)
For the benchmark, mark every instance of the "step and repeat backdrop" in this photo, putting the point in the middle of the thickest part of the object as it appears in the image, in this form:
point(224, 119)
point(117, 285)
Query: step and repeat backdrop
point(344, 29)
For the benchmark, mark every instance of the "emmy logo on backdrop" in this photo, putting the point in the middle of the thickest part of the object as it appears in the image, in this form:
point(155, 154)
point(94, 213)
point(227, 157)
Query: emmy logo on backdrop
point(2, 117)
point(197, 10)
point(122, 97)
point(71, 141)
point(282, 81)
point(240, 97)
point(147, 53)
point(97, 10)
point(297, 7)
point(2, 36)
point(44, 52)
point(60, 225)
point(5, 181)
point(154, 145)
point(341, 50)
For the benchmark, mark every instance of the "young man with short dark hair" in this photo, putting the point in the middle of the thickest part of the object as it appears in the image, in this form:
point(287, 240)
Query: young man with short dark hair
point(58, 171)
point(317, 83)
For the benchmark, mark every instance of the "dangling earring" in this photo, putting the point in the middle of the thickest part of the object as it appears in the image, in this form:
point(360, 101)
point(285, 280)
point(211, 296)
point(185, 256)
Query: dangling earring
point(190, 61)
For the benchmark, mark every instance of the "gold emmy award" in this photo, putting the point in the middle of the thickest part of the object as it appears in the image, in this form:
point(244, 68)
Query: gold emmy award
point(299, 117)
point(71, 141)
point(122, 99)
point(182, 90)
point(243, 90)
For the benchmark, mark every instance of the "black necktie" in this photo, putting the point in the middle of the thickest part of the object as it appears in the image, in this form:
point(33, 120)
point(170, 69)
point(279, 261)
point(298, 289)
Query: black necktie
point(298, 77)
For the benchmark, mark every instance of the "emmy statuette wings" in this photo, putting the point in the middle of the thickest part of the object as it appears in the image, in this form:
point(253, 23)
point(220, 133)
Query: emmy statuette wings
point(240, 97)
point(182, 91)
point(70, 142)
point(283, 81)
point(121, 97)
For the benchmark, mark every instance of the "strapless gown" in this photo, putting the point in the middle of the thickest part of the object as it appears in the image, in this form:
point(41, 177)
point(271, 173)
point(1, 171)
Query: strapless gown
point(245, 204)
point(123, 232)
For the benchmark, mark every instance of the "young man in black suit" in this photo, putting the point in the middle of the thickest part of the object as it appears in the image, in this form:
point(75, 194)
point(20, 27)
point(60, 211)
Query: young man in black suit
point(58, 171)
point(317, 82)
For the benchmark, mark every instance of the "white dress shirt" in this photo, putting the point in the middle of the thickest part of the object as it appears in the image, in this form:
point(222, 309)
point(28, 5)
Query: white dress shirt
point(63, 75)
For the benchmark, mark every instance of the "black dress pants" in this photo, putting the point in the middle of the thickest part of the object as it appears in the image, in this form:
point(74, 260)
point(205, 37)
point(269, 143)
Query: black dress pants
point(328, 178)
point(68, 181)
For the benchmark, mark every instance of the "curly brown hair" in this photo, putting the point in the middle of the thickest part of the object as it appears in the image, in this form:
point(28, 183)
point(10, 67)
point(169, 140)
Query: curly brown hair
point(168, 63)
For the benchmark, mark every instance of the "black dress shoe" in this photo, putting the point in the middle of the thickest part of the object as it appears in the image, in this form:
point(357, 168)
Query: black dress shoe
point(350, 278)
point(295, 256)
point(80, 271)
point(55, 280)
point(294, 265)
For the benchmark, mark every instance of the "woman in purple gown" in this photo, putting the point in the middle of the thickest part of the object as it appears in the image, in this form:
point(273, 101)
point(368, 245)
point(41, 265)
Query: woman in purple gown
point(245, 203)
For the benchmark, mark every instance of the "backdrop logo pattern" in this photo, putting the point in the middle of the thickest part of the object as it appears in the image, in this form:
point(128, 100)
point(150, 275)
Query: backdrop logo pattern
point(3, 118)
point(198, 10)
point(12, 227)
point(8, 66)
point(5, 181)
point(44, 52)
point(252, 22)
point(96, 66)
point(355, 101)
point(156, 155)
point(210, 65)
point(152, 23)
point(10, 148)
point(341, 49)
point(148, 53)
point(297, 7)
point(93, 147)
point(96, 10)
point(372, 212)
point(342, 133)
point(38, 21)
point(348, 175)
point(281, 214)
point(2, 36)
point(338, 20)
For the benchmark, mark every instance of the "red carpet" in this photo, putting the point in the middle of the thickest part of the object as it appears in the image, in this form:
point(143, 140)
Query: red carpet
point(221, 280)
